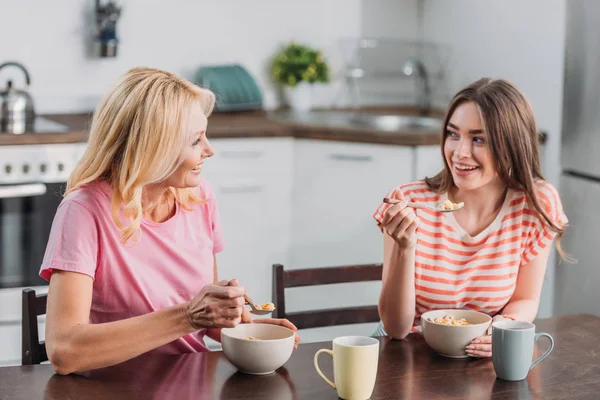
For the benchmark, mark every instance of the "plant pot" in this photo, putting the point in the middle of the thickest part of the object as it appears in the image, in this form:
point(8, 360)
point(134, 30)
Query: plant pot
point(299, 97)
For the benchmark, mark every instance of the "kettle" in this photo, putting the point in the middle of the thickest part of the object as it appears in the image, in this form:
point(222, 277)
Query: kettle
point(17, 113)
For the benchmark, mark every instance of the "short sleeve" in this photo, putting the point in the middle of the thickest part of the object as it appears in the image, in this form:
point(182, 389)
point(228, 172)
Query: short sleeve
point(215, 220)
point(392, 194)
point(73, 241)
point(539, 235)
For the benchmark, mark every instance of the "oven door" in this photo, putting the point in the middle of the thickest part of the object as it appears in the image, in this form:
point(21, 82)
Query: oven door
point(26, 215)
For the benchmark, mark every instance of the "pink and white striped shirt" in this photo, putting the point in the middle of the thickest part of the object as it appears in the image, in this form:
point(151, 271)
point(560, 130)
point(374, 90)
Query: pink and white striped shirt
point(456, 270)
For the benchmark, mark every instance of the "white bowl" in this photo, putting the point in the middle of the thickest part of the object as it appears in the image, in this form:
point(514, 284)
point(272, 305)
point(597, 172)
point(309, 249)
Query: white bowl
point(449, 340)
point(272, 347)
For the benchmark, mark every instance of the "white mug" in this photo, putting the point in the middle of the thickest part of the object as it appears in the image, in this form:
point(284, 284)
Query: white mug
point(355, 360)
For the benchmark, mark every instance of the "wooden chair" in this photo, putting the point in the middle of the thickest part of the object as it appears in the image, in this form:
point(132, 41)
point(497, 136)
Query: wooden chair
point(322, 276)
point(33, 351)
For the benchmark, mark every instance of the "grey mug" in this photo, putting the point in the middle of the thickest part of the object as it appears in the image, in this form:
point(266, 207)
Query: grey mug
point(512, 349)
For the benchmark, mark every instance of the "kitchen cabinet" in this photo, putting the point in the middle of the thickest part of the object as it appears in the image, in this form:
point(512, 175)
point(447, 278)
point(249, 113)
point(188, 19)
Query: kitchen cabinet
point(252, 180)
point(307, 203)
point(428, 161)
point(10, 325)
point(337, 187)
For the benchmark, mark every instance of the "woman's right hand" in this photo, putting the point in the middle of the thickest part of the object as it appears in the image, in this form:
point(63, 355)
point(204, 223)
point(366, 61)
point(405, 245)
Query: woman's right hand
point(218, 305)
point(400, 223)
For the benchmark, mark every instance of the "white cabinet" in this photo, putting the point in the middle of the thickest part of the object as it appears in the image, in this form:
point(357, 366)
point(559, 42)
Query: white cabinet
point(337, 187)
point(252, 180)
point(10, 342)
point(428, 161)
point(10, 324)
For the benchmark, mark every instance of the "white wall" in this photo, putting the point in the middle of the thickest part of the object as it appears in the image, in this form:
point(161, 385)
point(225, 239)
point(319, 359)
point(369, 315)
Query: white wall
point(52, 39)
point(390, 18)
point(522, 41)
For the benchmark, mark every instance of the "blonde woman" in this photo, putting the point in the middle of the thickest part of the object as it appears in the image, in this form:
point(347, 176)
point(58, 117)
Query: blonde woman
point(131, 255)
point(491, 255)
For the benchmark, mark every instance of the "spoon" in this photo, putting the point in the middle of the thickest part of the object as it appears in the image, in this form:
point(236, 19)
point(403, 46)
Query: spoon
point(422, 206)
point(255, 310)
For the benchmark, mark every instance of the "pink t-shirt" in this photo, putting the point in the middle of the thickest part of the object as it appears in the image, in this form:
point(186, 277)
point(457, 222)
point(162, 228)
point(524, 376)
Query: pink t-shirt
point(169, 265)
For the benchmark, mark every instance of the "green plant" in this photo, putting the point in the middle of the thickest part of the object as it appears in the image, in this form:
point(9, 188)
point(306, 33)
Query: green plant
point(297, 63)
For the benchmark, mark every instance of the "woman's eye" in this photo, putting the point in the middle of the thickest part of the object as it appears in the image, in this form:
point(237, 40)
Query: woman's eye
point(196, 142)
point(479, 140)
point(450, 134)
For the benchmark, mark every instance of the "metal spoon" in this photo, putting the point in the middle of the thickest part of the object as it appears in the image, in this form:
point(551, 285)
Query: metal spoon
point(255, 310)
point(422, 206)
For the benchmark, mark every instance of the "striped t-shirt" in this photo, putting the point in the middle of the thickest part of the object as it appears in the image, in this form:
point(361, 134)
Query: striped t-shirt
point(456, 270)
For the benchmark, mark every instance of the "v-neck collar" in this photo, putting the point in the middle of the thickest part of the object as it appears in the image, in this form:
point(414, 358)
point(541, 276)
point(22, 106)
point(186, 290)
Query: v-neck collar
point(492, 226)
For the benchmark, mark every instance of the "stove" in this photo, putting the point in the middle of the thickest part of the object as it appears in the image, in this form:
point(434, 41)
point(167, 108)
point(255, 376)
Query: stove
point(32, 183)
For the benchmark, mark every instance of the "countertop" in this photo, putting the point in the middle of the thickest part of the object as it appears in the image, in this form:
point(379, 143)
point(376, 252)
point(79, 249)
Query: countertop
point(407, 369)
point(250, 124)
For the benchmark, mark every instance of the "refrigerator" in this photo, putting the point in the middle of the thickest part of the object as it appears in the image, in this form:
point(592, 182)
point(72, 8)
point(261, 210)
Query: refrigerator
point(577, 286)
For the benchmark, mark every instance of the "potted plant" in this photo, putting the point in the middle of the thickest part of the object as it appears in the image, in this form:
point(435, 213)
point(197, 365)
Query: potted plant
point(296, 68)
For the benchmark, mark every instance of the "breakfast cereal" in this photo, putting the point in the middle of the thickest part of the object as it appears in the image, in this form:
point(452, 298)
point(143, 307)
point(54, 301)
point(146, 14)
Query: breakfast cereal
point(266, 307)
point(449, 320)
point(448, 205)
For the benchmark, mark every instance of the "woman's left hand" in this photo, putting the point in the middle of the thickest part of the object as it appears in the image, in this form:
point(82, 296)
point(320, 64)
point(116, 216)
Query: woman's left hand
point(247, 319)
point(481, 347)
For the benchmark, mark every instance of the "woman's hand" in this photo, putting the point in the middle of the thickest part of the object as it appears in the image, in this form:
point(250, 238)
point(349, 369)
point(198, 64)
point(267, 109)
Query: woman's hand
point(247, 319)
point(400, 223)
point(481, 347)
point(218, 305)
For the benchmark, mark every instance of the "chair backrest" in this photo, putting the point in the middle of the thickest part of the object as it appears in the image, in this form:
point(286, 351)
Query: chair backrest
point(322, 276)
point(33, 351)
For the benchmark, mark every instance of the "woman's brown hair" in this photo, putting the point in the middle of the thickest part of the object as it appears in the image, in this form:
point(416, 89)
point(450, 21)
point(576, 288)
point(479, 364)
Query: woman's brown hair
point(513, 140)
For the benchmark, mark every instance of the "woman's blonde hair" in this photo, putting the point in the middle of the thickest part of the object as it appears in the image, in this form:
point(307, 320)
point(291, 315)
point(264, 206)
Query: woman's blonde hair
point(137, 137)
point(512, 137)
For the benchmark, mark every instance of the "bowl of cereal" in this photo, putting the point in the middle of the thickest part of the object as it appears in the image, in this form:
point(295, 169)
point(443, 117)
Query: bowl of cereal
point(449, 331)
point(256, 348)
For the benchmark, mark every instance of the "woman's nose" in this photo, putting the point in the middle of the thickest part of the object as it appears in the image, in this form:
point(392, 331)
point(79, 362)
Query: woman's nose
point(464, 148)
point(207, 150)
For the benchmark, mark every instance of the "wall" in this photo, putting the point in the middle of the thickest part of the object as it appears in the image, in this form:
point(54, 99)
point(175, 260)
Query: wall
point(522, 41)
point(52, 39)
point(390, 18)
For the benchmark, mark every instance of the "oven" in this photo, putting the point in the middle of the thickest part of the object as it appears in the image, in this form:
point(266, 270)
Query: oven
point(32, 184)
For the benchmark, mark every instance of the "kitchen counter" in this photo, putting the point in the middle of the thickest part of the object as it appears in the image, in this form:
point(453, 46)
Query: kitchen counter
point(77, 125)
point(252, 124)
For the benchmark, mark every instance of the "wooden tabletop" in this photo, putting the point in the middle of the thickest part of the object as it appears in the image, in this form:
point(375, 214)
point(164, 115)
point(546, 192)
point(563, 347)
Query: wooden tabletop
point(408, 369)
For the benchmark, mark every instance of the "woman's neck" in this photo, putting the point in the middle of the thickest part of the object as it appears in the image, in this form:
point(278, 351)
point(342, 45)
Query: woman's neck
point(482, 202)
point(157, 205)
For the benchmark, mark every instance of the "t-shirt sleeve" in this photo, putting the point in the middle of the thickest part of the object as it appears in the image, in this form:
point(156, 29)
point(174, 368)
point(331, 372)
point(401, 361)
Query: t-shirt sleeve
point(392, 194)
point(73, 241)
point(215, 220)
point(539, 235)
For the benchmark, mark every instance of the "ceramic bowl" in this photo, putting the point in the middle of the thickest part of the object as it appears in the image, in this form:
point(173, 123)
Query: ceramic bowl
point(271, 348)
point(449, 340)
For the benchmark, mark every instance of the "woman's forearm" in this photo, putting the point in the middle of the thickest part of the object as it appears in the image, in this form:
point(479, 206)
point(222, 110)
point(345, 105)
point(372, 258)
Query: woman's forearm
point(89, 346)
point(397, 299)
point(522, 309)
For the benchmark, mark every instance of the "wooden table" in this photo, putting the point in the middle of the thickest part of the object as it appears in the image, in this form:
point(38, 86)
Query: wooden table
point(408, 369)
